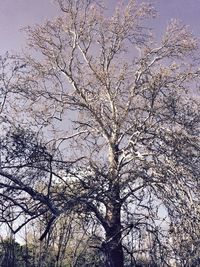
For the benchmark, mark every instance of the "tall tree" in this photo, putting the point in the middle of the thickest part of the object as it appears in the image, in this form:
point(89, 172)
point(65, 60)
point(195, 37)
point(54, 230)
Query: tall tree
point(120, 115)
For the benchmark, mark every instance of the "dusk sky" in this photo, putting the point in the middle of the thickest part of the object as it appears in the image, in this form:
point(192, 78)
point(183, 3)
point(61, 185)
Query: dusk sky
point(16, 14)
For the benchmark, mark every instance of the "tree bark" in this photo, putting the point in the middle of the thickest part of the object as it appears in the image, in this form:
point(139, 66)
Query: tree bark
point(114, 253)
point(113, 245)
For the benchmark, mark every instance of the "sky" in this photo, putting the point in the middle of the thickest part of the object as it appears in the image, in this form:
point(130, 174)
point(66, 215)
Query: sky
point(16, 14)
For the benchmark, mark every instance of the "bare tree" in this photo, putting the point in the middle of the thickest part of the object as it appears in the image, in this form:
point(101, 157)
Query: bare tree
point(120, 115)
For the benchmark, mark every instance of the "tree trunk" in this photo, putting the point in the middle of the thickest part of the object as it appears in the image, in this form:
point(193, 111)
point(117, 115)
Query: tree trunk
point(114, 253)
point(113, 245)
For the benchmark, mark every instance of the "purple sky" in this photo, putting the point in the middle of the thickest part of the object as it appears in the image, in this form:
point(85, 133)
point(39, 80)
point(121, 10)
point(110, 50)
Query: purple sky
point(15, 14)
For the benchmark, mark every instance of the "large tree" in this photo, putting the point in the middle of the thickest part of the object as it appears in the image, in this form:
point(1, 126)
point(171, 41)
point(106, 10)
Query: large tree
point(119, 112)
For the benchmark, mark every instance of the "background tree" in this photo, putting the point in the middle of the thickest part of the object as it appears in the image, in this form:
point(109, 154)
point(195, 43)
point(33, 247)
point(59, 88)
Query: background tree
point(120, 116)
